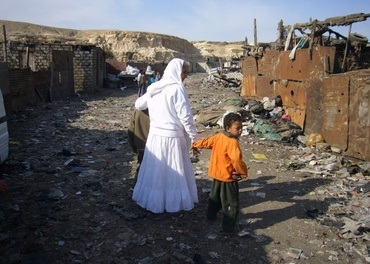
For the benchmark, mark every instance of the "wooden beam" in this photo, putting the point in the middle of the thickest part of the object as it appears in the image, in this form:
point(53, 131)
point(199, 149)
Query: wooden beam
point(336, 21)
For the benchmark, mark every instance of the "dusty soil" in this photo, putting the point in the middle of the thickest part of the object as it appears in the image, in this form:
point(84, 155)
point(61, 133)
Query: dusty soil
point(70, 184)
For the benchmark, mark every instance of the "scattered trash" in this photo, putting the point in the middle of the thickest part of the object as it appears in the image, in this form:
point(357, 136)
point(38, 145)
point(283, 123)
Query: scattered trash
point(243, 233)
point(206, 190)
point(260, 156)
point(56, 194)
point(87, 173)
point(314, 138)
point(183, 246)
point(211, 235)
point(214, 255)
point(295, 253)
point(74, 252)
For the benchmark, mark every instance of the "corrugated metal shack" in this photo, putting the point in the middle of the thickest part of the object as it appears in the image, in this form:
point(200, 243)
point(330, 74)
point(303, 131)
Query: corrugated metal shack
point(324, 80)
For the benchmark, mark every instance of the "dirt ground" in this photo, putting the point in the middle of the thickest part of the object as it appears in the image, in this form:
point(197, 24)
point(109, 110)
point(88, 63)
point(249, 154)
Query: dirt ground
point(70, 184)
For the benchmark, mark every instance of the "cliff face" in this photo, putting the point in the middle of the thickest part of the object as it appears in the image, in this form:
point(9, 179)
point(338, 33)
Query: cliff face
point(140, 46)
point(125, 45)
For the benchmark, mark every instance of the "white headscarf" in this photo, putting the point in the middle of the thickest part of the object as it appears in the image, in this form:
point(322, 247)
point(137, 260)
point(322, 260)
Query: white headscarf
point(171, 75)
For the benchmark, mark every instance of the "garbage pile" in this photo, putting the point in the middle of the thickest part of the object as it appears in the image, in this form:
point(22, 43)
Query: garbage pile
point(265, 119)
point(129, 71)
point(229, 79)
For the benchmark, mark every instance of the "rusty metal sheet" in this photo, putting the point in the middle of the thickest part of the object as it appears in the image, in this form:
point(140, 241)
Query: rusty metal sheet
point(264, 87)
point(297, 115)
point(302, 67)
point(293, 95)
point(359, 115)
point(312, 123)
point(297, 69)
point(327, 56)
point(267, 62)
point(337, 106)
point(249, 67)
point(334, 122)
point(248, 87)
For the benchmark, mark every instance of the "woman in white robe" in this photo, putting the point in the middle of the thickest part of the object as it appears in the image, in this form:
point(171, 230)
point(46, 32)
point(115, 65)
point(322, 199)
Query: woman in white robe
point(166, 181)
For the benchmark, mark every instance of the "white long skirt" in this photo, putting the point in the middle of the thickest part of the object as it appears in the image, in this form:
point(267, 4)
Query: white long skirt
point(166, 179)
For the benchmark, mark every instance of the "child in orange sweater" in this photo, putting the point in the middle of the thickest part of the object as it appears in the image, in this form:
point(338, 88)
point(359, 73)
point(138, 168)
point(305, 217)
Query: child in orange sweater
point(226, 168)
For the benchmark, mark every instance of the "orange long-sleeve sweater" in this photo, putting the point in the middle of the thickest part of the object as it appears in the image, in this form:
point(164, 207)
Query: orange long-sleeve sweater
point(226, 156)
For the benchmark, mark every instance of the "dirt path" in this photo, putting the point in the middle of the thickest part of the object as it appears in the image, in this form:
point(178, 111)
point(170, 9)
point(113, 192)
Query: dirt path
point(70, 185)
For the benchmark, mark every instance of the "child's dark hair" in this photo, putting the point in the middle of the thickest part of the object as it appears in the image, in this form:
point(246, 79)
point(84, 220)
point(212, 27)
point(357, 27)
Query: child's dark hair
point(230, 118)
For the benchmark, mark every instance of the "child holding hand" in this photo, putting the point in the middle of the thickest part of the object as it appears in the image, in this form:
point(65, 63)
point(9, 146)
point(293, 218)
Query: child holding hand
point(226, 168)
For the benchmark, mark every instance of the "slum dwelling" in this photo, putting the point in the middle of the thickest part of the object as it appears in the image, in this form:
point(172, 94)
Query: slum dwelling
point(321, 76)
point(34, 72)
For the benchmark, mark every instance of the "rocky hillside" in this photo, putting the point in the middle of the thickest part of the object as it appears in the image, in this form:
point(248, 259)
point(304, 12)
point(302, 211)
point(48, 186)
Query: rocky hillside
point(125, 45)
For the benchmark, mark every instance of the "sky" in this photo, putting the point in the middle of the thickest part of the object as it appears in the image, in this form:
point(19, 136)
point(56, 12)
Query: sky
point(193, 20)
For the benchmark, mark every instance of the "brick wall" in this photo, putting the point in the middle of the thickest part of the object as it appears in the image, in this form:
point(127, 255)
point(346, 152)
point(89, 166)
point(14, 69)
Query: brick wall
point(89, 69)
point(89, 66)
point(39, 55)
point(26, 88)
point(29, 72)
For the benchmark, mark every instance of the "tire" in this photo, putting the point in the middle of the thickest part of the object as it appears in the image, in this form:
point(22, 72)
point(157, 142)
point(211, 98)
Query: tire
point(358, 37)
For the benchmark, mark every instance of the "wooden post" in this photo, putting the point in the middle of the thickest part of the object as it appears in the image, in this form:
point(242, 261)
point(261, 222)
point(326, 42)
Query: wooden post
point(344, 64)
point(255, 34)
point(51, 81)
point(4, 45)
point(280, 33)
point(27, 57)
point(313, 30)
point(289, 37)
